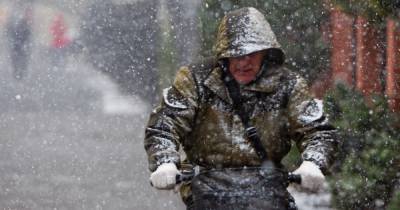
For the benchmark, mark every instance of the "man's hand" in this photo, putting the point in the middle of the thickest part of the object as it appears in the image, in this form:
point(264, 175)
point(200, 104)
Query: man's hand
point(164, 178)
point(312, 178)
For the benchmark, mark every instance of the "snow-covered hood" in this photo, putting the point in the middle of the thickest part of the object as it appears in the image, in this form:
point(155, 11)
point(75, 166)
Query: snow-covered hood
point(245, 31)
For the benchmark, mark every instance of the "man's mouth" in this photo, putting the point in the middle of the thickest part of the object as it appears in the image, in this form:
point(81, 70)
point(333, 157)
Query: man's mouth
point(244, 71)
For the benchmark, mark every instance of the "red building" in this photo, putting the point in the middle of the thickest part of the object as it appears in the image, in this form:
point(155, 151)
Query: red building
point(364, 57)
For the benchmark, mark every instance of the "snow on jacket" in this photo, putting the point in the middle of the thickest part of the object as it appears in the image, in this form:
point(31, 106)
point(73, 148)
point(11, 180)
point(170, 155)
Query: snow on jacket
point(197, 112)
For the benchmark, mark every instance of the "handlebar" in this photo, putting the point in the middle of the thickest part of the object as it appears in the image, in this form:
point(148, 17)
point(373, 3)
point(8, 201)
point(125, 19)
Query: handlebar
point(187, 175)
point(294, 178)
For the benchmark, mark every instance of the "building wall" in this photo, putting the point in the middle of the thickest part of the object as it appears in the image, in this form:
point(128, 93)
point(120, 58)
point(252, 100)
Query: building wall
point(365, 57)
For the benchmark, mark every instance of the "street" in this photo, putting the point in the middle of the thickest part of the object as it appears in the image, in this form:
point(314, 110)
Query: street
point(70, 140)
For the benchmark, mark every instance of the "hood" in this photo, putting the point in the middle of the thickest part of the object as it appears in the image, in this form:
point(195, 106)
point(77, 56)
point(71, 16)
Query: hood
point(245, 31)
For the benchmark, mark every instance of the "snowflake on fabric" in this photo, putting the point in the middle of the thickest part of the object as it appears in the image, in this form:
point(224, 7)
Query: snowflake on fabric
point(310, 111)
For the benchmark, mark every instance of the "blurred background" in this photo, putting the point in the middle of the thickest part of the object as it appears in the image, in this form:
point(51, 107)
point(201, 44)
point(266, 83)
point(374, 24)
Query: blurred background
point(79, 78)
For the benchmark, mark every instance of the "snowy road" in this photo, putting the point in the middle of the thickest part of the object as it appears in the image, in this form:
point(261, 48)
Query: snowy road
point(69, 140)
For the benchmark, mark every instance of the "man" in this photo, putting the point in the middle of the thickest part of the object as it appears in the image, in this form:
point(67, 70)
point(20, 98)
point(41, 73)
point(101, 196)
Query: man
point(212, 104)
point(19, 33)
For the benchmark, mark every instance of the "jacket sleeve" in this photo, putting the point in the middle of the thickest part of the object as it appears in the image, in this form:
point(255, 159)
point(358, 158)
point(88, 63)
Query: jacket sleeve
point(315, 137)
point(171, 121)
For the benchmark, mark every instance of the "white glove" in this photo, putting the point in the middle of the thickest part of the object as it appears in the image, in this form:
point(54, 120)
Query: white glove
point(312, 178)
point(164, 177)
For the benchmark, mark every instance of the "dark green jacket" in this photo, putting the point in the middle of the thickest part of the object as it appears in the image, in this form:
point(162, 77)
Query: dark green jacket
point(197, 113)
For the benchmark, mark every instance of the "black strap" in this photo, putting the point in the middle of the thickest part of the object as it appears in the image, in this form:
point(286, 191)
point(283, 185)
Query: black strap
point(250, 131)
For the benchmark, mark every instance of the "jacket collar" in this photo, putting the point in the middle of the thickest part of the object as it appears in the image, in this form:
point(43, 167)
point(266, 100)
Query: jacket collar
point(215, 83)
point(267, 83)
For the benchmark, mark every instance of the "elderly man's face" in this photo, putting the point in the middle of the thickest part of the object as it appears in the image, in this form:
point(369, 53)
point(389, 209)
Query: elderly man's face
point(245, 68)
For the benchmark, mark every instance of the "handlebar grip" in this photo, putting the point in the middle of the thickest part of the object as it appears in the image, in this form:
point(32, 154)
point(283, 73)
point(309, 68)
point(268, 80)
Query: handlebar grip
point(184, 176)
point(294, 178)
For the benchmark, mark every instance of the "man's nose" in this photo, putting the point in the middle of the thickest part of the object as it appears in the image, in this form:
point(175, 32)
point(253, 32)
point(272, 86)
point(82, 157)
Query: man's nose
point(244, 60)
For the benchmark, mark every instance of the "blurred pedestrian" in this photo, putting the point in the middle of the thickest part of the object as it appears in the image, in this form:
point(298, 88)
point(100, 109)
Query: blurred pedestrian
point(19, 35)
point(60, 42)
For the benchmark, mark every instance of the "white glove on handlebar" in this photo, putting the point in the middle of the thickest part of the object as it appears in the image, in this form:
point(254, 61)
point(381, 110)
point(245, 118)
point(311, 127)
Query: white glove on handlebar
point(312, 178)
point(164, 177)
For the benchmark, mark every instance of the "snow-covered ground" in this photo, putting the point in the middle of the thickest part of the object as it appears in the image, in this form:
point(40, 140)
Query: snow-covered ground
point(309, 201)
point(113, 102)
point(70, 140)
